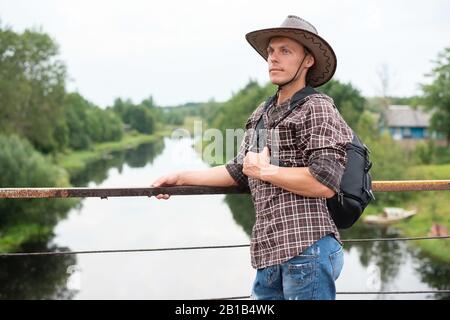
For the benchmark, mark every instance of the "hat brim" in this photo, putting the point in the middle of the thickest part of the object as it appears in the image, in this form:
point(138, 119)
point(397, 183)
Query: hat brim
point(324, 56)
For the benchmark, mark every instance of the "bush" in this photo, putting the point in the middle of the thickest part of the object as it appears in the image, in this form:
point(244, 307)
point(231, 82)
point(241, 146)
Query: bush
point(23, 166)
point(424, 152)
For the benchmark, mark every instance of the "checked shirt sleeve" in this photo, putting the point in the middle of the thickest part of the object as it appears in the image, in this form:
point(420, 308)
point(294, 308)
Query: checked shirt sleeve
point(325, 136)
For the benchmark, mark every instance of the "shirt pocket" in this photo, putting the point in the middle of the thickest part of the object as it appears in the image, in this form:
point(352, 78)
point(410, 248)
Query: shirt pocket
point(284, 150)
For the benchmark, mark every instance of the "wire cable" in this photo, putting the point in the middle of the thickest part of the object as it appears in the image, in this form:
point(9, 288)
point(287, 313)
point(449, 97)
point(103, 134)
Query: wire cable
point(56, 253)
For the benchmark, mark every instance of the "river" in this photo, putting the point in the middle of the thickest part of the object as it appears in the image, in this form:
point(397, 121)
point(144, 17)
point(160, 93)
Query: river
point(183, 221)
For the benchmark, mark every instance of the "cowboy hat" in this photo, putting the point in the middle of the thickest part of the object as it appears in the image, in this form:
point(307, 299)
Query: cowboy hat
point(306, 34)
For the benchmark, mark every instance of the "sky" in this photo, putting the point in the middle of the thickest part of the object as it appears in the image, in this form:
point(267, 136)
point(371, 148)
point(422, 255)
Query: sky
point(194, 51)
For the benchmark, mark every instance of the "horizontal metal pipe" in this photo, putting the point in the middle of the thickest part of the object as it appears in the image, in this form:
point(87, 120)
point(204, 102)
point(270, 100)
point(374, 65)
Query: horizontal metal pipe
point(27, 193)
point(411, 185)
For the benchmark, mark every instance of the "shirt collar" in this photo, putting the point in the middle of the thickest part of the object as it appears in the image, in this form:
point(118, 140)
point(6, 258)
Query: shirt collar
point(301, 94)
point(298, 96)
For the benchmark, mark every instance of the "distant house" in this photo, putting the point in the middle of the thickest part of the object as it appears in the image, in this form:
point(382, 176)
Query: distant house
point(405, 122)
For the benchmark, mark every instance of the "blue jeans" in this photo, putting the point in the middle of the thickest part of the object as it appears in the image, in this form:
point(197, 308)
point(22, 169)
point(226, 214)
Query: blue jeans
point(307, 276)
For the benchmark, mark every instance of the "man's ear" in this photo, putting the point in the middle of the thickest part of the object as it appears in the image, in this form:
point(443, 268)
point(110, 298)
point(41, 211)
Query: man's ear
point(310, 60)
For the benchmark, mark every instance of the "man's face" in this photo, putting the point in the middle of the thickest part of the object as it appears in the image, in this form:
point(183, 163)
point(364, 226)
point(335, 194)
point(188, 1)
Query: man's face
point(284, 57)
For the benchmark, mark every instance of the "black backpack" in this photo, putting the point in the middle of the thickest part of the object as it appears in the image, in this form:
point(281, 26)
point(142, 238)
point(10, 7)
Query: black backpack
point(356, 186)
point(355, 192)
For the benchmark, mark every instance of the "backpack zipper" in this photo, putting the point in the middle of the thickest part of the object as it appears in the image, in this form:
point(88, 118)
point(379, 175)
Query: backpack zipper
point(341, 197)
point(348, 195)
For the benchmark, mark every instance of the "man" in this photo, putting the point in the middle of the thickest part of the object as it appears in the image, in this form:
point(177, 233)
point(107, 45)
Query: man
point(295, 244)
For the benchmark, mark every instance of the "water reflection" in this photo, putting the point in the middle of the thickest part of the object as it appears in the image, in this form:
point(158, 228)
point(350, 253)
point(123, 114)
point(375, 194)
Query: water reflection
point(36, 277)
point(241, 206)
point(138, 157)
point(386, 255)
point(435, 273)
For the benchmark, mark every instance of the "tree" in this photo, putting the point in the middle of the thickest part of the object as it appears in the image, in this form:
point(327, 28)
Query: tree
point(141, 116)
point(347, 99)
point(32, 88)
point(121, 107)
point(234, 113)
point(148, 103)
point(142, 119)
point(437, 94)
point(88, 123)
point(76, 119)
point(385, 77)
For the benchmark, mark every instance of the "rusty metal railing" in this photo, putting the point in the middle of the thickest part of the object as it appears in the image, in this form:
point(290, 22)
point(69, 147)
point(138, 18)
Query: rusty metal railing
point(26, 193)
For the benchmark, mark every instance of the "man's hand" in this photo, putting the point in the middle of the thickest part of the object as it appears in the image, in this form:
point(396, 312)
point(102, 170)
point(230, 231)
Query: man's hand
point(215, 177)
point(168, 180)
point(257, 165)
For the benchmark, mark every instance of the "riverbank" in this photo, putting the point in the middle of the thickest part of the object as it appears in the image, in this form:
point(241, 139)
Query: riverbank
point(432, 207)
point(76, 161)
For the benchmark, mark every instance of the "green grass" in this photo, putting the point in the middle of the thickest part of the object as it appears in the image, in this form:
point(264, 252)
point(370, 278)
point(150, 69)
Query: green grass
point(76, 161)
point(432, 207)
point(430, 172)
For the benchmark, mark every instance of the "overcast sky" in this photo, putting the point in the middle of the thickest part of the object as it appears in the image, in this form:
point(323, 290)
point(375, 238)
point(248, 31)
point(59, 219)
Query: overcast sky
point(181, 51)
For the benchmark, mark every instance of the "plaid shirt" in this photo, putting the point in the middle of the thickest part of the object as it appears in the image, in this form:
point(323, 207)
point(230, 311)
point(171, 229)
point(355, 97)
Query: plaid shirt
point(313, 135)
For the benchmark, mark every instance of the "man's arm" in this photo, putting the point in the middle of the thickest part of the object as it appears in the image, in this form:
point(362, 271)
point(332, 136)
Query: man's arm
point(215, 176)
point(297, 180)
